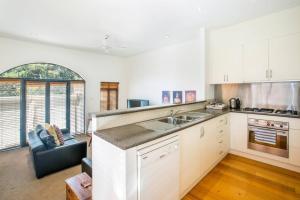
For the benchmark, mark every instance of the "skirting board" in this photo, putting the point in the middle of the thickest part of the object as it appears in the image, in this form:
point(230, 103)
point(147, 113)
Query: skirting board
point(266, 160)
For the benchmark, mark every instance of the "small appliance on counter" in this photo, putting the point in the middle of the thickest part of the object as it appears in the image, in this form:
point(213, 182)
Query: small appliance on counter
point(234, 103)
point(216, 106)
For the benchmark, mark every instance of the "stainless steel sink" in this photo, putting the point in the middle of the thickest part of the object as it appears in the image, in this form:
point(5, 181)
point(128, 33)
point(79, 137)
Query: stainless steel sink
point(184, 118)
point(174, 120)
point(187, 117)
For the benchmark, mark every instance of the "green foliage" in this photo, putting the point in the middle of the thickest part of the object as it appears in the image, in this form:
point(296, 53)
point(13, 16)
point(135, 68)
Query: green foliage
point(41, 71)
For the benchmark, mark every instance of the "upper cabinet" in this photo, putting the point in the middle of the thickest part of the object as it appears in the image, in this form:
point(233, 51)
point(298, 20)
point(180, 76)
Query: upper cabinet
point(274, 59)
point(284, 58)
point(259, 50)
point(256, 61)
point(226, 62)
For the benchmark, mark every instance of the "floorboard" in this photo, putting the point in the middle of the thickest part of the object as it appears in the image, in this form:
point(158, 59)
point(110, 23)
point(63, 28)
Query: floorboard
point(240, 178)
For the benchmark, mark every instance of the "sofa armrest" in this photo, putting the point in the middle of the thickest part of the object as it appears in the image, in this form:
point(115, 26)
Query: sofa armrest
point(53, 160)
point(86, 166)
point(35, 143)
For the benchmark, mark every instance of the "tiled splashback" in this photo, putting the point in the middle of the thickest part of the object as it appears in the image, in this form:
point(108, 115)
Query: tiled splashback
point(281, 95)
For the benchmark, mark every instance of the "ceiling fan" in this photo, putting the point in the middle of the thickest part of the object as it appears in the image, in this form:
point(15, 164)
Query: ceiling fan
point(108, 44)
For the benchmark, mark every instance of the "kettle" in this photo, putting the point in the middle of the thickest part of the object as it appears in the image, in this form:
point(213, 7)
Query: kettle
point(234, 103)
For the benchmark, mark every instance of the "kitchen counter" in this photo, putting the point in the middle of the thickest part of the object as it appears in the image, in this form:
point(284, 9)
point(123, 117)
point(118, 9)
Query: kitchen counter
point(263, 113)
point(132, 135)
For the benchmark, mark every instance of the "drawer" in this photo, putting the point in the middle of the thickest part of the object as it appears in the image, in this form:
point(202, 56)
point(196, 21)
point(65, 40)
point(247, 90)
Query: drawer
point(221, 149)
point(221, 131)
point(220, 140)
point(221, 121)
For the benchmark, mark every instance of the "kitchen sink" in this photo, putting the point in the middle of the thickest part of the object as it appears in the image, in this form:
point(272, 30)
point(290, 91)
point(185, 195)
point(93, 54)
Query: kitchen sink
point(187, 117)
point(174, 120)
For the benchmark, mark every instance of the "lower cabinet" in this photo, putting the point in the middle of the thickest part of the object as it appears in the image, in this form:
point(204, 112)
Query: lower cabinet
point(238, 131)
point(294, 150)
point(192, 156)
point(202, 146)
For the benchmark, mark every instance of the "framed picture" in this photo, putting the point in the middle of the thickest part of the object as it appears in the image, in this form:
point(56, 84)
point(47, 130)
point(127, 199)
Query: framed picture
point(166, 97)
point(177, 97)
point(190, 96)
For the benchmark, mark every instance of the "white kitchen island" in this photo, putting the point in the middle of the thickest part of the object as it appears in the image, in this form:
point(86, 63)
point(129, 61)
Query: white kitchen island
point(125, 171)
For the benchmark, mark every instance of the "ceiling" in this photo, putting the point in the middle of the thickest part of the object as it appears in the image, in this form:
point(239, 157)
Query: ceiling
point(133, 26)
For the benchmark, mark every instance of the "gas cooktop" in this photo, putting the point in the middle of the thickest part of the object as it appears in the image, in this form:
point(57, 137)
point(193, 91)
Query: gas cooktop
point(270, 110)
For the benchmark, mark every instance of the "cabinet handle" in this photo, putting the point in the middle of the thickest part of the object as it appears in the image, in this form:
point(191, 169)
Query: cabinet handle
point(220, 141)
point(202, 132)
point(162, 156)
point(271, 74)
point(267, 74)
point(221, 131)
point(221, 152)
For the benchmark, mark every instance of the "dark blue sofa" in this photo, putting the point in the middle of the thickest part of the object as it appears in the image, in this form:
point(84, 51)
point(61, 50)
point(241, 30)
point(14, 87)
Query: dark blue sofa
point(47, 161)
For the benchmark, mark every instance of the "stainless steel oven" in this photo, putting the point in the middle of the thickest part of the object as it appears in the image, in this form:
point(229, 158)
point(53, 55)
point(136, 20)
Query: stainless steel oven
point(268, 136)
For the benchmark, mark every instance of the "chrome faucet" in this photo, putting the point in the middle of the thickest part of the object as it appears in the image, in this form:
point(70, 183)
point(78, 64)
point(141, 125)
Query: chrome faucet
point(173, 113)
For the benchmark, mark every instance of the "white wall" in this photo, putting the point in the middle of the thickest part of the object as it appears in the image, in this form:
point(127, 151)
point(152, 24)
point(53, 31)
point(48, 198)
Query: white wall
point(176, 67)
point(93, 67)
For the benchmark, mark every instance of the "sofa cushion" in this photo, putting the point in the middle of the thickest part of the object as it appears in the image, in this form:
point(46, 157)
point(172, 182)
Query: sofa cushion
point(59, 135)
point(52, 132)
point(47, 139)
point(38, 128)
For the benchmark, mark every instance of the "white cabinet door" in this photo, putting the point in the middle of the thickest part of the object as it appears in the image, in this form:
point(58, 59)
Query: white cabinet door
point(294, 147)
point(216, 59)
point(234, 66)
point(285, 58)
point(225, 59)
point(238, 131)
point(192, 155)
point(211, 144)
point(256, 61)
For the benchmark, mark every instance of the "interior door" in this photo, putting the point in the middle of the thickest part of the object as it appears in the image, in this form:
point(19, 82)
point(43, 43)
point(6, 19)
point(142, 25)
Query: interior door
point(10, 91)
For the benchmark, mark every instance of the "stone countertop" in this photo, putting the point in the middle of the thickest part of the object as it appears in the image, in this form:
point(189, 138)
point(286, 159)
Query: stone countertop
point(132, 135)
point(262, 113)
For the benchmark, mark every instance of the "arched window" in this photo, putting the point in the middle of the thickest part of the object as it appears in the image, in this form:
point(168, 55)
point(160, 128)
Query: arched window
point(44, 71)
point(39, 93)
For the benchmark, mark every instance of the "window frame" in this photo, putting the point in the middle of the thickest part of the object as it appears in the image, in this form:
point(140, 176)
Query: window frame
point(108, 90)
point(23, 139)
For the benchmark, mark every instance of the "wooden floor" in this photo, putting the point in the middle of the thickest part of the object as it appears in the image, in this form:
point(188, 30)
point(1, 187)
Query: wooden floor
point(240, 178)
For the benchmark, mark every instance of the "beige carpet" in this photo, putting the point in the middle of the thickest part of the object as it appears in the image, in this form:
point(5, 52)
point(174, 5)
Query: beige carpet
point(18, 181)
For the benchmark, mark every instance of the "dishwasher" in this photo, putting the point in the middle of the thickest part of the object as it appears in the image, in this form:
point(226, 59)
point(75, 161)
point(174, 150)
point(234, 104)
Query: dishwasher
point(158, 171)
